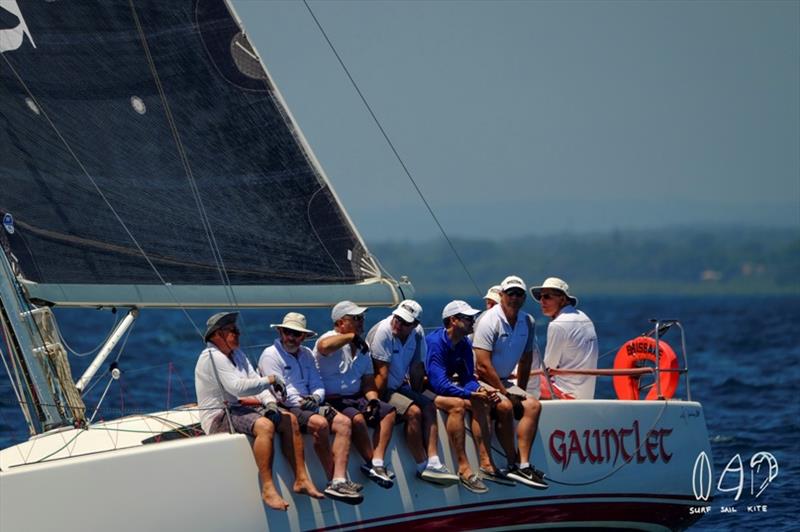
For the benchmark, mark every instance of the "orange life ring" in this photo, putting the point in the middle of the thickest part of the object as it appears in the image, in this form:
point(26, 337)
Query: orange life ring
point(633, 354)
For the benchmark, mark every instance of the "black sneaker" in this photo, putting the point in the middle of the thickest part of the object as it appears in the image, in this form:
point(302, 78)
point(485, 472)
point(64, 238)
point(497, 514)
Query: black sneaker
point(339, 491)
point(378, 475)
point(499, 476)
point(528, 476)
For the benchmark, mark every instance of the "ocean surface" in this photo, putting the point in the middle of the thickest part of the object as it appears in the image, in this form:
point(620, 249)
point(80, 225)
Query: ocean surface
point(743, 356)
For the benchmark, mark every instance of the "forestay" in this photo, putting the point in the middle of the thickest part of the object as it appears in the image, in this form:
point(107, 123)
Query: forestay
point(146, 158)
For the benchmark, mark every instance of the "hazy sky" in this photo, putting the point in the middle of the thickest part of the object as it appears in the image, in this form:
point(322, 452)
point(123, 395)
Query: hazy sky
point(535, 117)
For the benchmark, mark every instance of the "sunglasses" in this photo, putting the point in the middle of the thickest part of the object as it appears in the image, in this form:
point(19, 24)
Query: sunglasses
point(549, 296)
point(516, 292)
point(403, 322)
point(464, 317)
point(357, 317)
point(234, 330)
point(292, 333)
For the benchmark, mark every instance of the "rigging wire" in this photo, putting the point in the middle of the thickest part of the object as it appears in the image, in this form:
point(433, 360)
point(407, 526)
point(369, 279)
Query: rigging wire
point(212, 241)
point(74, 352)
point(392, 147)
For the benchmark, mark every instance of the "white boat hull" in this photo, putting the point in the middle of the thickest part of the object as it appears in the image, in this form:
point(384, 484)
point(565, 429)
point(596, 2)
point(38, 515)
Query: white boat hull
point(610, 464)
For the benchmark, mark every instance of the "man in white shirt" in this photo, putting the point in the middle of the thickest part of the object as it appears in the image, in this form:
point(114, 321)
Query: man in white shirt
point(503, 340)
point(398, 348)
point(228, 389)
point(571, 341)
point(305, 399)
point(345, 365)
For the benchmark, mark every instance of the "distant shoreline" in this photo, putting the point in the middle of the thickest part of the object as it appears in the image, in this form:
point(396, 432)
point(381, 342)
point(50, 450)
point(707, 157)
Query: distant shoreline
point(672, 261)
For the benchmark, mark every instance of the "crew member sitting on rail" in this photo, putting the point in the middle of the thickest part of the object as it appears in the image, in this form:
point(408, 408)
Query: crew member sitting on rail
point(398, 353)
point(450, 354)
point(223, 377)
point(345, 365)
point(305, 398)
point(503, 340)
point(571, 341)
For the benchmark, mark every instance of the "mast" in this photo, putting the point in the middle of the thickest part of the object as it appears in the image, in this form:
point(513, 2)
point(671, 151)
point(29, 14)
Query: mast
point(37, 362)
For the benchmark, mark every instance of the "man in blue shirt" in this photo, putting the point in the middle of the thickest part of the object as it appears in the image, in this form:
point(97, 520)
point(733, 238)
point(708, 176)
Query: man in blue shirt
point(451, 375)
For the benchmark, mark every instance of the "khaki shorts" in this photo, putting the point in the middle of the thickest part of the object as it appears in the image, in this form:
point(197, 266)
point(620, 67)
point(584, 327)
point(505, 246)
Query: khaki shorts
point(403, 397)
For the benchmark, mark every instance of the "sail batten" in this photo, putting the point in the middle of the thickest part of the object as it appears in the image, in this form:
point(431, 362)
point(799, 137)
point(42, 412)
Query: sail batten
point(145, 145)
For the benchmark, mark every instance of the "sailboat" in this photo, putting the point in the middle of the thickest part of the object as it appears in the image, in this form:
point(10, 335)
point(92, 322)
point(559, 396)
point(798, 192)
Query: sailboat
point(149, 161)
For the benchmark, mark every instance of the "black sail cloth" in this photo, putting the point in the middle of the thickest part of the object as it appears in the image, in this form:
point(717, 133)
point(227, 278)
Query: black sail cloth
point(123, 124)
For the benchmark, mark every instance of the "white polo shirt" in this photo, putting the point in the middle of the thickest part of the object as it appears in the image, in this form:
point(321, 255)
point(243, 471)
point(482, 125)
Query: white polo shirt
point(341, 372)
point(234, 378)
point(572, 344)
point(399, 355)
point(506, 343)
point(299, 371)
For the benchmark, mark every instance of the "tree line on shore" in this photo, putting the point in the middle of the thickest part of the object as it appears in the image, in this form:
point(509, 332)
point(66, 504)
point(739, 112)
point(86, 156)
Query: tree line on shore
point(667, 261)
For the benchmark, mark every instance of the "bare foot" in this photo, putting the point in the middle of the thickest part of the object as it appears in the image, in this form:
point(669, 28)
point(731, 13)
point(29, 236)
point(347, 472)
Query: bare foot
point(307, 488)
point(273, 500)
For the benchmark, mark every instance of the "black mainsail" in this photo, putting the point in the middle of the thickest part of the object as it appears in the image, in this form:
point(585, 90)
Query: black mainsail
point(146, 158)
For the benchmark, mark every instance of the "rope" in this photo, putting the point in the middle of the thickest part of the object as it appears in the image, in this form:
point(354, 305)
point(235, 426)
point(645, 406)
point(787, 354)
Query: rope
point(394, 150)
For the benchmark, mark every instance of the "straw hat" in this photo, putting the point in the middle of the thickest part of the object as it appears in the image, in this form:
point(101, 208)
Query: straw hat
point(294, 321)
point(556, 284)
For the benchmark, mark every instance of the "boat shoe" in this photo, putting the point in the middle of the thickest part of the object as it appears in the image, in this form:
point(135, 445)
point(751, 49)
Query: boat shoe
point(499, 476)
point(528, 476)
point(473, 483)
point(378, 474)
point(340, 491)
point(438, 475)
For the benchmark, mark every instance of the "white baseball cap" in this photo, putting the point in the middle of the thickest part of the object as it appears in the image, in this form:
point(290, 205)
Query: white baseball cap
point(494, 293)
point(556, 284)
point(408, 311)
point(512, 281)
point(346, 308)
point(459, 307)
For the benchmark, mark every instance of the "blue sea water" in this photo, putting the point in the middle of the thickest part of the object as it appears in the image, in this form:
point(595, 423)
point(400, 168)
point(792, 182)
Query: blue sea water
point(743, 355)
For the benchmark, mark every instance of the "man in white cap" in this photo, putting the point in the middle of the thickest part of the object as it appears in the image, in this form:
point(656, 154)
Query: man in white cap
point(398, 351)
point(571, 340)
point(305, 399)
point(223, 376)
point(503, 340)
point(492, 296)
point(449, 354)
point(345, 366)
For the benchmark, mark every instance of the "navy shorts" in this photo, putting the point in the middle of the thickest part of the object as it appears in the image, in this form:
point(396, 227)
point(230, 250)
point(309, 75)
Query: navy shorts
point(353, 405)
point(304, 416)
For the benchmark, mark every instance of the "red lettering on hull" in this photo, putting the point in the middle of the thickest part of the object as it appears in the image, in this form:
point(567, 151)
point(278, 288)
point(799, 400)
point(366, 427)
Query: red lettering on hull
point(606, 445)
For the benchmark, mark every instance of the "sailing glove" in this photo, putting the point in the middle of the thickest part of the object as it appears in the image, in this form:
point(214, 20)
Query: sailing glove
point(310, 402)
point(279, 385)
point(372, 413)
point(361, 344)
point(271, 412)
